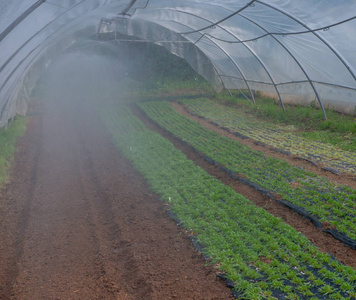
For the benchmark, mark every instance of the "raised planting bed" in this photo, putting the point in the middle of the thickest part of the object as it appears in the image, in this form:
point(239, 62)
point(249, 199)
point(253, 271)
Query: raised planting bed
point(315, 197)
point(282, 138)
point(258, 254)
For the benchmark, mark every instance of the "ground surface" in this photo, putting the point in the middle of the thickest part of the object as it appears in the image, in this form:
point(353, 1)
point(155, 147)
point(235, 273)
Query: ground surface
point(325, 242)
point(78, 222)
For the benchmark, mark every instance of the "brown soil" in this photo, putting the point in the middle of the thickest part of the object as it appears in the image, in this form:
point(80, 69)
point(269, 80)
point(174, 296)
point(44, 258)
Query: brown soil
point(325, 242)
point(78, 222)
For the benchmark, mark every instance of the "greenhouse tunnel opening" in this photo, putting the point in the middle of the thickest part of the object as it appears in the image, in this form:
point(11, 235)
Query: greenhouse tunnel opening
point(122, 106)
point(86, 69)
point(92, 74)
point(79, 79)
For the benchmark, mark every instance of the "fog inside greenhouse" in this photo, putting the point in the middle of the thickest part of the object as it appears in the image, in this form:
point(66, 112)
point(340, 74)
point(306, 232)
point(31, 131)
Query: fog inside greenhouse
point(81, 78)
point(91, 72)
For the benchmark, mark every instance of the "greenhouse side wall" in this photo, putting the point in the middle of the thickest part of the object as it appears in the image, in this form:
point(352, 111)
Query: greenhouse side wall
point(340, 99)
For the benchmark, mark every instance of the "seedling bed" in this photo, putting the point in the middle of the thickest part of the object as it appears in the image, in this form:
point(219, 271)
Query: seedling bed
point(332, 204)
point(262, 256)
point(280, 138)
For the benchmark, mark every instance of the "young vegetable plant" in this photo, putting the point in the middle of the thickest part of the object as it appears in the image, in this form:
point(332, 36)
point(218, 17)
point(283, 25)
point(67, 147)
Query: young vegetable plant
point(233, 233)
point(264, 173)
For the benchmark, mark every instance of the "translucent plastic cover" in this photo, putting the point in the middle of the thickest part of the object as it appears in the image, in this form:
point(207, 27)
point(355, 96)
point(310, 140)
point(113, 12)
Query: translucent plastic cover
point(296, 51)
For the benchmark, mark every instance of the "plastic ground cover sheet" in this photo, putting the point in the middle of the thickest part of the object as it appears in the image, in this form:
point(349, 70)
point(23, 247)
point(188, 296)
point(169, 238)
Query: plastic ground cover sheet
point(282, 138)
point(262, 257)
point(324, 201)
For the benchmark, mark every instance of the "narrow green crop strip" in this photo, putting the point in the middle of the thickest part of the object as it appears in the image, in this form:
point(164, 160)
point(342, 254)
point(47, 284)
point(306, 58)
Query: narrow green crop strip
point(8, 139)
point(315, 194)
point(265, 257)
point(338, 129)
point(285, 138)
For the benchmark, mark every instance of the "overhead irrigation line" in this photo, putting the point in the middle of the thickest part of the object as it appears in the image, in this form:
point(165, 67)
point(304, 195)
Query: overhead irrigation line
point(324, 28)
point(213, 25)
point(290, 82)
point(153, 41)
point(220, 21)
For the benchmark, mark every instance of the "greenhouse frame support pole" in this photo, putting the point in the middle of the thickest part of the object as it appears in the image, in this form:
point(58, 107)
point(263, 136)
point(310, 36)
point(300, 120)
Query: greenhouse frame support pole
point(247, 47)
point(262, 64)
point(35, 34)
point(21, 18)
point(339, 56)
point(229, 57)
point(217, 73)
point(236, 65)
point(247, 98)
point(268, 73)
point(222, 82)
point(295, 59)
point(129, 6)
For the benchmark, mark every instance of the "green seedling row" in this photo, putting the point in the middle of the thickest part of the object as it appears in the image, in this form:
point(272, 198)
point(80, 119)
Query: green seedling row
point(285, 138)
point(8, 139)
point(263, 256)
point(321, 198)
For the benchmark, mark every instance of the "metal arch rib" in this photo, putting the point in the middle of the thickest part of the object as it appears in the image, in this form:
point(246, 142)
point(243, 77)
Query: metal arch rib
point(296, 60)
point(249, 49)
point(2, 67)
point(220, 21)
point(233, 62)
point(217, 70)
point(129, 6)
point(222, 82)
point(315, 32)
point(32, 37)
point(266, 69)
point(34, 49)
point(18, 65)
point(326, 27)
point(21, 18)
point(239, 69)
point(340, 57)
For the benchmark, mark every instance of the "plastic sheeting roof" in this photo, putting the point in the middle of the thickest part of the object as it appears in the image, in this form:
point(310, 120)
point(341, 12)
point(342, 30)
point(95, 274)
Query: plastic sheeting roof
point(301, 50)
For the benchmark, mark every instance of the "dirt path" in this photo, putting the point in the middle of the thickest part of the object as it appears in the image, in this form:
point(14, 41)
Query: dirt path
point(78, 222)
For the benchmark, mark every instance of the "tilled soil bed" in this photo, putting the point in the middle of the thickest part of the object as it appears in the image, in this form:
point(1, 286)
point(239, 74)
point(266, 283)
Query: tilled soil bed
point(78, 222)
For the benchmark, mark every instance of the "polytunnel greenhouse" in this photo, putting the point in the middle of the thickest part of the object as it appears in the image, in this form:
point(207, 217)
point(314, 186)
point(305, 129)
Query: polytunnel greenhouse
point(299, 51)
point(177, 149)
